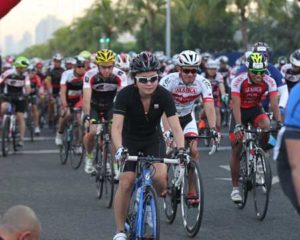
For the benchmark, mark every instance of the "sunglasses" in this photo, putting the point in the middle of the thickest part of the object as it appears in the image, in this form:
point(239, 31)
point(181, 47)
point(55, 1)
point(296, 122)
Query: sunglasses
point(145, 80)
point(262, 72)
point(80, 66)
point(187, 71)
point(106, 67)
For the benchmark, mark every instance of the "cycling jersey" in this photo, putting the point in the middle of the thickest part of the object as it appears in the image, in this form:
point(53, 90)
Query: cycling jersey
point(138, 125)
point(55, 75)
point(35, 84)
point(226, 74)
point(185, 95)
point(249, 93)
point(292, 114)
point(14, 83)
point(290, 77)
point(218, 79)
point(73, 83)
point(103, 89)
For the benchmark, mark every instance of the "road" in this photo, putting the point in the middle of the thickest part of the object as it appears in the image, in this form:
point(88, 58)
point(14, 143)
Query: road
point(65, 200)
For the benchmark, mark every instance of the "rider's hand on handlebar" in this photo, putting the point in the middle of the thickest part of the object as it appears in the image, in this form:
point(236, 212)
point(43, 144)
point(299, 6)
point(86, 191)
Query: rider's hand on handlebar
point(121, 154)
point(182, 155)
point(279, 125)
point(238, 131)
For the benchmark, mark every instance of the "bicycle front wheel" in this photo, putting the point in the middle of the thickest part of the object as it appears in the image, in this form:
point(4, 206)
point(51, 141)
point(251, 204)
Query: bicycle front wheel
point(64, 149)
point(192, 199)
point(243, 180)
point(262, 182)
point(6, 141)
point(108, 175)
point(148, 227)
point(77, 150)
point(172, 197)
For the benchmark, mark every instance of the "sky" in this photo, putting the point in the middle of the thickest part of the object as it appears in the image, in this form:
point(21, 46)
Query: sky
point(26, 15)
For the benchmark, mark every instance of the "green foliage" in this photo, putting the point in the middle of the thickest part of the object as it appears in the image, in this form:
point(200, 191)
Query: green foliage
point(203, 24)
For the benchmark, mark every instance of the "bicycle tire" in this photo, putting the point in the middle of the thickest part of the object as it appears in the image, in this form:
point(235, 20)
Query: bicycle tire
point(150, 197)
point(76, 157)
point(261, 186)
point(15, 140)
point(98, 163)
point(185, 204)
point(64, 149)
point(170, 200)
point(108, 175)
point(243, 180)
point(5, 136)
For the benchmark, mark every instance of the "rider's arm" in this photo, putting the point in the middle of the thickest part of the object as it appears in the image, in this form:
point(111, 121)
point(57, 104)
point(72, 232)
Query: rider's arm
point(87, 94)
point(236, 108)
point(275, 108)
point(63, 89)
point(173, 121)
point(284, 95)
point(209, 109)
point(222, 88)
point(165, 124)
point(116, 130)
point(27, 85)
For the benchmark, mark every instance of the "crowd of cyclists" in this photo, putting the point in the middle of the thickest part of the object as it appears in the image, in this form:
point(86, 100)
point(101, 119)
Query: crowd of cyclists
point(151, 99)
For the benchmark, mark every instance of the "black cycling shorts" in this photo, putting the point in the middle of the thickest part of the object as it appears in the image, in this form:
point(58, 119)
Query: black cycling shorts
point(20, 105)
point(95, 114)
point(155, 147)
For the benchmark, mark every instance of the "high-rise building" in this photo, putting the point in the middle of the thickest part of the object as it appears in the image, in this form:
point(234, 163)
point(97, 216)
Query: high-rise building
point(46, 27)
point(9, 44)
point(26, 41)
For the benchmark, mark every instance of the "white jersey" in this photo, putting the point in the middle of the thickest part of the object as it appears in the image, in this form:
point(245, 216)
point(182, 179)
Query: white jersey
point(185, 95)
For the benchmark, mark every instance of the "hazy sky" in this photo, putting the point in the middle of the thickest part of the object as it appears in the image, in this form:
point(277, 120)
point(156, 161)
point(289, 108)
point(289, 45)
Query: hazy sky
point(26, 15)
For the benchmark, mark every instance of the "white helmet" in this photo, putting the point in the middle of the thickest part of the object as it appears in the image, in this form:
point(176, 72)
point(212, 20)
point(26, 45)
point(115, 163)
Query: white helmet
point(212, 64)
point(223, 59)
point(295, 58)
point(123, 61)
point(188, 58)
point(57, 57)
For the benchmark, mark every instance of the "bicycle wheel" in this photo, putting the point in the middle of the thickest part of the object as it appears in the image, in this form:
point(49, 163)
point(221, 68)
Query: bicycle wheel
point(76, 152)
point(148, 226)
point(192, 199)
point(172, 197)
point(100, 167)
point(262, 181)
point(243, 180)
point(64, 149)
point(108, 175)
point(6, 141)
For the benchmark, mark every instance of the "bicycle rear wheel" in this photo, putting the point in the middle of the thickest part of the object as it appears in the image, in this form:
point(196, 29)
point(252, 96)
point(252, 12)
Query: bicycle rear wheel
point(64, 149)
point(171, 199)
point(192, 199)
point(262, 182)
point(149, 225)
point(108, 175)
point(6, 141)
point(243, 180)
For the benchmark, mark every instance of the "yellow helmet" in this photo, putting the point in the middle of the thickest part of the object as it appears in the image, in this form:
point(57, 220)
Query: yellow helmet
point(105, 56)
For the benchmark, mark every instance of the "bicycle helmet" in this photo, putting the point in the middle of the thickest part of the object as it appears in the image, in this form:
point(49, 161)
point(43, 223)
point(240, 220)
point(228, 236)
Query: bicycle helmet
point(282, 60)
point(261, 47)
point(123, 61)
point(144, 62)
point(57, 57)
point(205, 56)
point(295, 58)
point(79, 61)
point(188, 58)
point(212, 64)
point(105, 56)
point(223, 59)
point(257, 62)
point(21, 62)
point(85, 54)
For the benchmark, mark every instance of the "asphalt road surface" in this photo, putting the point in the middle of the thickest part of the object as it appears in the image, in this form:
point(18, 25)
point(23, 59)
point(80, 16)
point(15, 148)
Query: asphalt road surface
point(65, 199)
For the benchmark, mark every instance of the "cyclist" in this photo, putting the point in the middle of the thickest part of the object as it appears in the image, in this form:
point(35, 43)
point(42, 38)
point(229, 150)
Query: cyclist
point(136, 126)
point(264, 49)
point(87, 56)
point(247, 90)
point(186, 86)
point(35, 85)
point(69, 63)
point(281, 61)
point(292, 71)
point(99, 90)
point(53, 85)
point(71, 97)
point(123, 62)
point(287, 150)
point(16, 86)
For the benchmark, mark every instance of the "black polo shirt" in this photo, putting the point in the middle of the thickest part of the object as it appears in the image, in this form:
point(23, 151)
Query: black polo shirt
point(138, 125)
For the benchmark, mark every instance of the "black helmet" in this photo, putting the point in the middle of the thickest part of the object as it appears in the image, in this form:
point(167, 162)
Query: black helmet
point(144, 62)
point(262, 48)
point(295, 58)
point(79, 61)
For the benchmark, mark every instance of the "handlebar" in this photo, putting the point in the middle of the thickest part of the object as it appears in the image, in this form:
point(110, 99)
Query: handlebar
point(153, 159)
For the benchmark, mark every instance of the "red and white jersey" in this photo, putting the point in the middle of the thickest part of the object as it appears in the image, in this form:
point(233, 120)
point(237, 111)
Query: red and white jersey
point(73, 83)
point(13, 82)
point(249, 93)
point(185, 95)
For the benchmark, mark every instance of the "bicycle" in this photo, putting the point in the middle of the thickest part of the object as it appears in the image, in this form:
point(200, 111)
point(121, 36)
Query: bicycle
point(103, 162)
point(10, 133)
point(71, 148)
point(143, 221)
point(192, 203)
point(255, 172)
